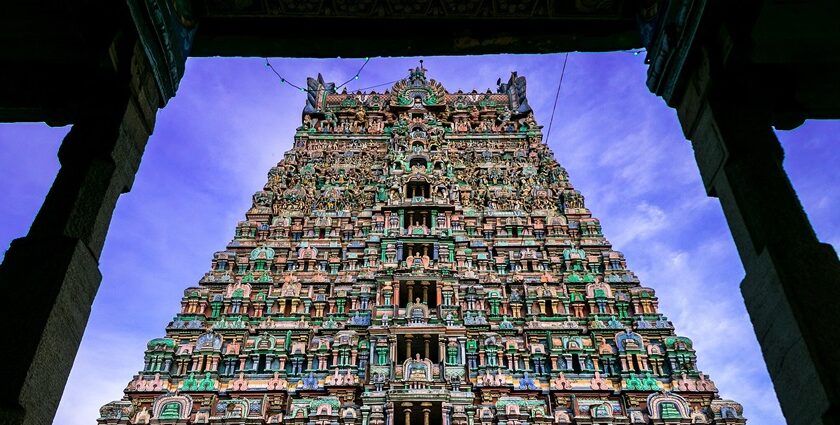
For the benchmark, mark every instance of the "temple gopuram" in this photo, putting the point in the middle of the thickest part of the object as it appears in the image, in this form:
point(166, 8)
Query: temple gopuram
point(417, 258)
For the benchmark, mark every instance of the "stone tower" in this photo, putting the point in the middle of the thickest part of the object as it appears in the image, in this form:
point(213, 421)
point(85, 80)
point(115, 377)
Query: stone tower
point(419, 257)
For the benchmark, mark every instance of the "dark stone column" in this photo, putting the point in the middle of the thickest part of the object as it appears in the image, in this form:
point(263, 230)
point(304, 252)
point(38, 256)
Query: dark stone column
point(50, 277)
point(733, 70)
point(792, 283)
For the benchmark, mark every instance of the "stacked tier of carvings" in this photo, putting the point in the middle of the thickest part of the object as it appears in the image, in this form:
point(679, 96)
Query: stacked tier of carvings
point(418, 243)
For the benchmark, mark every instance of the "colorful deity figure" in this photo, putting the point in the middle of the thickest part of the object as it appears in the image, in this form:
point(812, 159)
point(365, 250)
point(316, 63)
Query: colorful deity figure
point(310, 382)
point(527, 383)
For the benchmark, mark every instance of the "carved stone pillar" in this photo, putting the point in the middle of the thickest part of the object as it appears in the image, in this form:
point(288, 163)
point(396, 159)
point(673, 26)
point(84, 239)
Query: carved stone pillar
point(99, 158)
point(445, 409)
point(791, 278)
point(728, 99)
point(407, 413)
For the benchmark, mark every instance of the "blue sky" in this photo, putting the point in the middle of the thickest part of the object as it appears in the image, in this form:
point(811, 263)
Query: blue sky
point(232, 120)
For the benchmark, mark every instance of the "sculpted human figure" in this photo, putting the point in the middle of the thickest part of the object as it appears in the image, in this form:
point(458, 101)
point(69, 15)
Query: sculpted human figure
point(698, 417)
point(426, 261)
point(143, 416)
point(561, 417)
point(417, 365)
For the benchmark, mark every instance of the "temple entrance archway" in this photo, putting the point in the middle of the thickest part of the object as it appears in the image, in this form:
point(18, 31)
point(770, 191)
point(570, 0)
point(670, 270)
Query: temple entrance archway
point(732, 76)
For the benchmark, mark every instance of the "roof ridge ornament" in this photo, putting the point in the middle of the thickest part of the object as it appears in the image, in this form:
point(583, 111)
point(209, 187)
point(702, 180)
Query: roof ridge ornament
point(418, 74)
point(417, 91)
point(515, 88)
point(316, 94)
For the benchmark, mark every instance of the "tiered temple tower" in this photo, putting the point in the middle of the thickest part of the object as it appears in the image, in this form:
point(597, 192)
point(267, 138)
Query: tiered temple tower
point(419, 257)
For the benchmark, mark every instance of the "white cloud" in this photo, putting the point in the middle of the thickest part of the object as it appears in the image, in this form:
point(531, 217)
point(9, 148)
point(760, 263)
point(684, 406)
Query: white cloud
point(99, 375)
